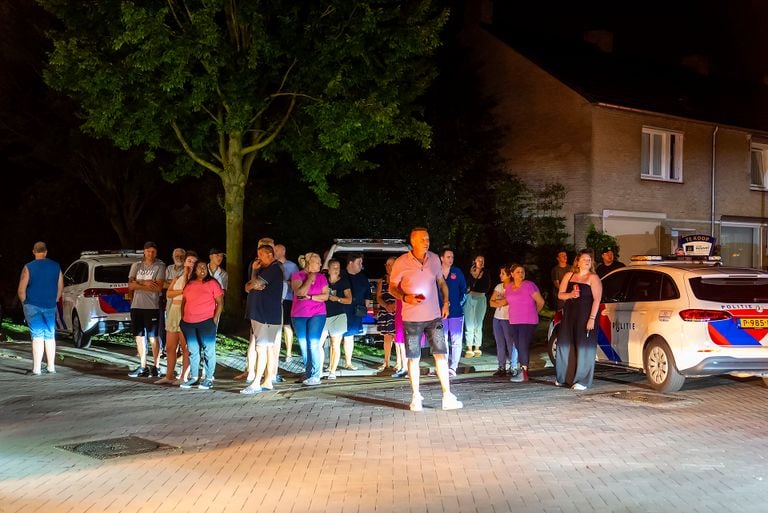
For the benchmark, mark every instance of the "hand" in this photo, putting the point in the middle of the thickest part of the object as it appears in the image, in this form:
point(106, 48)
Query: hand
point(390, 307)
point(590, 324)
point(446, 310)
point(575, 292)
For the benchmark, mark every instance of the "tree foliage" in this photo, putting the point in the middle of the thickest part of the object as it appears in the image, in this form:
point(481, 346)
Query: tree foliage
point(226, 84)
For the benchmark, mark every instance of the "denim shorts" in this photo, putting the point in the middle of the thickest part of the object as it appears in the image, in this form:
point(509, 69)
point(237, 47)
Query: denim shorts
point(41, 321)
point(434, 332)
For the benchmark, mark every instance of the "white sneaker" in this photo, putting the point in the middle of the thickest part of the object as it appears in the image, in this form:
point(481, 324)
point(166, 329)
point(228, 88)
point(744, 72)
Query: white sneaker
point(251, 390)
point(578, 386)
point(331, 375)
point(416, 401)
point(451, 403)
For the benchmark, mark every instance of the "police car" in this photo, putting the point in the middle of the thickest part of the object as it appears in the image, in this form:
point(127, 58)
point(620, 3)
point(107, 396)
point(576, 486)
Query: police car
point(679, 317)
point(94, 299)
point(375, 254)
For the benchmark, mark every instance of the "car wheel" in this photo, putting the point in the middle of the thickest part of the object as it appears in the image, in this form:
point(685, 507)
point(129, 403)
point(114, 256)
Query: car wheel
point(80, 338)
point(660, 368)
point(552, 347)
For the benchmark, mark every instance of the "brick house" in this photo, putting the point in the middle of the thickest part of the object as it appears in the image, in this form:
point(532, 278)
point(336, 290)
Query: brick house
point(645, 154)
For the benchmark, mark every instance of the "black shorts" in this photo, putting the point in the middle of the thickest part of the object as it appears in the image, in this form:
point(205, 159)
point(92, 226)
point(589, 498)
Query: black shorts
point(144, 321)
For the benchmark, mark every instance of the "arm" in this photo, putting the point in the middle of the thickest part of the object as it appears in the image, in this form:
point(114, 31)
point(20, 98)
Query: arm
point(60, 286)
point(538, 300)
point(597, 295)
point(172, 293)
point(322, 297)
point(219, 307)
point(379, 300)
point(300, 288)
point(23, 282)
point(346, 300)
point(561, 293)
point(444, 291)
point(497, 299)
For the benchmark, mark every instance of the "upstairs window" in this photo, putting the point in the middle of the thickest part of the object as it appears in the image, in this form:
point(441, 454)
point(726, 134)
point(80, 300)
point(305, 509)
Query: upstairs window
point(662, 155)
point(759, 167)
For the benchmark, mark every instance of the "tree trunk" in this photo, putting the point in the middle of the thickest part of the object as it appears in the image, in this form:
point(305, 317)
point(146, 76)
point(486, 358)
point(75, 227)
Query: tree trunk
point(233, 179)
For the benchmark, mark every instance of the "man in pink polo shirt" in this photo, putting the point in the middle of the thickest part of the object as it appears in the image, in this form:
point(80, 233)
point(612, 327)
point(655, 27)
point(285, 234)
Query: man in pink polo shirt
point(414, 280)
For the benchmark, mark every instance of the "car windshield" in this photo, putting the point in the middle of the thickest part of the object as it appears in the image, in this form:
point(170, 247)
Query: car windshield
point(731, 290)
point(373, 262)
point(111, 273)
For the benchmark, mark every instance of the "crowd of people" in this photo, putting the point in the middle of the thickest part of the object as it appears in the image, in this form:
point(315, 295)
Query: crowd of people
point(424, 299)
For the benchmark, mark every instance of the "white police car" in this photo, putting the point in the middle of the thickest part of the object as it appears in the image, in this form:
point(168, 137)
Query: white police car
point(375, 254)
point(94, 299)
point(678, 317)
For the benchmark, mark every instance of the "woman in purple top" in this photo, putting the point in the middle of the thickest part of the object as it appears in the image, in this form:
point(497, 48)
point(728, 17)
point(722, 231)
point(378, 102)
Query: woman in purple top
point(310, 292)
point(525, 303)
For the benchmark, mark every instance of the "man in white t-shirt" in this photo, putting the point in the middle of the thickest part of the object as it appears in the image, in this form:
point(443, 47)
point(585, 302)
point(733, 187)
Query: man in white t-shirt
point(415, 279)
point(145, 281)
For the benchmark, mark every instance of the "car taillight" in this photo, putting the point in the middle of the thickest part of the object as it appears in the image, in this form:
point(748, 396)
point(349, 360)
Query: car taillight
point(696, 315)
point(98, 292)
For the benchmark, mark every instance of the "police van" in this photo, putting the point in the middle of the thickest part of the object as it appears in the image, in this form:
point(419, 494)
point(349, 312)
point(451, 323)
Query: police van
point(680, 317)
point(375, 254)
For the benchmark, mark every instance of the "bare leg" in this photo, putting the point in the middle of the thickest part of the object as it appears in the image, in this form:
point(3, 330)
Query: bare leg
point(253, 360)
point(262, 355)
point(288, 335)
point(184, 357)
point(414, 375)
point(335, 355)
point(441, 367)
point(401, 359)
point(171, 351)
point(274, 351)
point(349, 347)
point(155, 351)
point(50, 354)
point(37, 354)
point(388, 339)
point(141, 348)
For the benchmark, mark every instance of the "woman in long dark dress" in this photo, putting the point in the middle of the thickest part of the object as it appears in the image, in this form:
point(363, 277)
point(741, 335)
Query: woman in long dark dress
point(581, 290)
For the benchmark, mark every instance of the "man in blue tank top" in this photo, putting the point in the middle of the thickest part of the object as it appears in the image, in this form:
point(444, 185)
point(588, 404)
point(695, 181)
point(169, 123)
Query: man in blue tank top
point(40, 288)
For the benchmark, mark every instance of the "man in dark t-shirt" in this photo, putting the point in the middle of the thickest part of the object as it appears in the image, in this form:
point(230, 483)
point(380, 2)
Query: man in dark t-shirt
point(265, 310)
point(609, 262)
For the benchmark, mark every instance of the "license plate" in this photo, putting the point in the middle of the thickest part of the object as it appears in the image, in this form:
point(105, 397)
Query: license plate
point(754, 323)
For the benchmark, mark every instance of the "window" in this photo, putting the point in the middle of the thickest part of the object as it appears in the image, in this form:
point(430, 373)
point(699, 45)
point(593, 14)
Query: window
point(613, 287)
point(759, 167)
point(645, 286)
point(662, 155)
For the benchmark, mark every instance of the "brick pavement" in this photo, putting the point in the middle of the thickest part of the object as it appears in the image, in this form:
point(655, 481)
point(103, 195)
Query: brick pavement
point(354, 447)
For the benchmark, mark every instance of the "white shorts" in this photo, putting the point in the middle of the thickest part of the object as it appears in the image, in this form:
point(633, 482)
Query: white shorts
point(335, 326)
point(265, 334)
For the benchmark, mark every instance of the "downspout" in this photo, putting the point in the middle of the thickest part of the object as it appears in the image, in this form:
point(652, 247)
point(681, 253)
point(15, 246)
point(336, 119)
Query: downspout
point(712, 203)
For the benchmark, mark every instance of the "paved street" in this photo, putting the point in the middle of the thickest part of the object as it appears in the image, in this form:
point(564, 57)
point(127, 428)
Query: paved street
point(353, 446)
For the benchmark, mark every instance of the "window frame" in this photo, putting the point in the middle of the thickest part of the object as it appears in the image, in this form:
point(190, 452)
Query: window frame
point(763, 149)
point(671, 155)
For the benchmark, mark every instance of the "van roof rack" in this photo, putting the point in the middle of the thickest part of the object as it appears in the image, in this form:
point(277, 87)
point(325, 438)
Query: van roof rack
point(116, 252)
point(369, 241)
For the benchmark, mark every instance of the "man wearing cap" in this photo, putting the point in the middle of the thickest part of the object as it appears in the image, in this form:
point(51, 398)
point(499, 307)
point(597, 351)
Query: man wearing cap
point(609, 262)
point(216, 257)
point(145, 281)
point(40, 287)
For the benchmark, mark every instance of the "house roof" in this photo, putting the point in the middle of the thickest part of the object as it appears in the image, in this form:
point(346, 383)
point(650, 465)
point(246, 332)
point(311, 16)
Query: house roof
point(641, 83)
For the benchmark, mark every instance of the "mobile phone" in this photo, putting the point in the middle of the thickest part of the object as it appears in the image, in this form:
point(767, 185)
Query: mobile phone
point(421, 297)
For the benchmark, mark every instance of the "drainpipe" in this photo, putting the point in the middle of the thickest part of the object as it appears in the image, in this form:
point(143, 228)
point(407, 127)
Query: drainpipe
point(712, 203)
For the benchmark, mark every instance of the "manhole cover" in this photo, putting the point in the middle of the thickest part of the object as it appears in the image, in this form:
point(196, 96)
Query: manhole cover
point(116, 447)
point(644, 397)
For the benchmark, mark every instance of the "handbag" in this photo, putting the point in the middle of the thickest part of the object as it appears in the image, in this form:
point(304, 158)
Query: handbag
point(361, 311)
